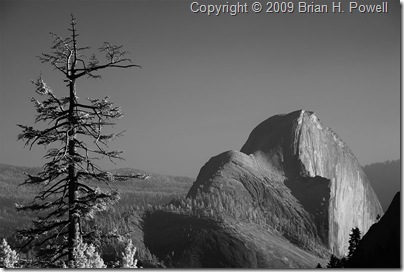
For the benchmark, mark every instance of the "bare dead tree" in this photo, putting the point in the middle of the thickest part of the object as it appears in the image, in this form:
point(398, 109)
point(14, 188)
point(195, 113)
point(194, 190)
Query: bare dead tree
point(76, 139)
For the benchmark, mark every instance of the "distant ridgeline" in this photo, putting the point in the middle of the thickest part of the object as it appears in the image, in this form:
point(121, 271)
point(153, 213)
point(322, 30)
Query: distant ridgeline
point(385, 178)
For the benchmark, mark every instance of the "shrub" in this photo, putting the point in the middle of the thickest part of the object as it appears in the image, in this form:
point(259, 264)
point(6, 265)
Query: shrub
point(86, 256)
point(128, 257)
point(8, 257)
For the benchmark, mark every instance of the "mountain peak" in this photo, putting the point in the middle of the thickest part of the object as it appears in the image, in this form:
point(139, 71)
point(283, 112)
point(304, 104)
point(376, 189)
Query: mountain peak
point(297, 151)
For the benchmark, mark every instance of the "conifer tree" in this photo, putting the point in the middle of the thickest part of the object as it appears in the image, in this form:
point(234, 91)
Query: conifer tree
point(75, 137)
point(8, 257)
point(85, 256)
point(354, 239)
point(128, 257)
point(334, 262)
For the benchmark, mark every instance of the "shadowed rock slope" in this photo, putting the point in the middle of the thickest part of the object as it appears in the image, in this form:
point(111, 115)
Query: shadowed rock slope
point(299, 177)
point(380, 247)
point(185, 241)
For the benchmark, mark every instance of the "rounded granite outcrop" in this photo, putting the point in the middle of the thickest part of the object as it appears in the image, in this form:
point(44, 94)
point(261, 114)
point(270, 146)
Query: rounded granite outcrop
point(295, 165)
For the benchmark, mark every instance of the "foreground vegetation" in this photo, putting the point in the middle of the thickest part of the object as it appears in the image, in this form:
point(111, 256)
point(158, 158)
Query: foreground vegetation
point(109, 231)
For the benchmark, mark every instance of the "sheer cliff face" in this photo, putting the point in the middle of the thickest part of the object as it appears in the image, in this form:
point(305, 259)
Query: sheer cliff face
point(299, 147)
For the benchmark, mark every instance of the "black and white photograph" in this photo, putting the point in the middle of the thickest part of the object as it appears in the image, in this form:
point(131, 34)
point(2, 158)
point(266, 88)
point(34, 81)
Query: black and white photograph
point(189, 134)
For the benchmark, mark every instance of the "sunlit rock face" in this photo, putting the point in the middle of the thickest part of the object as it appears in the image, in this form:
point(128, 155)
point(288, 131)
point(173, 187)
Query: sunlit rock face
point(306, 152)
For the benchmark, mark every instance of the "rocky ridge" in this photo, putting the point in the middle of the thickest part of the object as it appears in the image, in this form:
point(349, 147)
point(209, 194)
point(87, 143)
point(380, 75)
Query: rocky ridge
point(301, 177)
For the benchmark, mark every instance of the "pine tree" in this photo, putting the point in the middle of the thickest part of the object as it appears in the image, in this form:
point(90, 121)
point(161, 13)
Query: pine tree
point(85, 256)
point(334, 262)
point(74, 138)
point(354, 240)
point(8, 257)
point(128, 257)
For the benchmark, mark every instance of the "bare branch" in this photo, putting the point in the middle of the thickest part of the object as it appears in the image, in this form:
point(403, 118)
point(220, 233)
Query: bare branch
point(100, 67)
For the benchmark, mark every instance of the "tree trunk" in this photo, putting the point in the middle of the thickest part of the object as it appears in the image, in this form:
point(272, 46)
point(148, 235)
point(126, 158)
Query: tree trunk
point(74, 225)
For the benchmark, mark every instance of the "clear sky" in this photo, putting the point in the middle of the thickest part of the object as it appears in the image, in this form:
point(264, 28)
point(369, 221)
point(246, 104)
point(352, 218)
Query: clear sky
point(207, 81)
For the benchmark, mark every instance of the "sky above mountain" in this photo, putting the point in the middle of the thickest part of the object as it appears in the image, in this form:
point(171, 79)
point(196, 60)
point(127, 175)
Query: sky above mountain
point(207, 81)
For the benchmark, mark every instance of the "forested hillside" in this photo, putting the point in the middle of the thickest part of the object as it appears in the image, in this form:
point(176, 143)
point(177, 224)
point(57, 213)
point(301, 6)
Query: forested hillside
point(10, 193)
point(135, 194)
